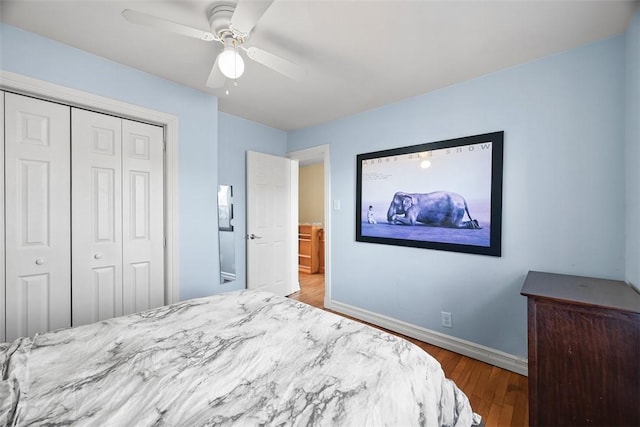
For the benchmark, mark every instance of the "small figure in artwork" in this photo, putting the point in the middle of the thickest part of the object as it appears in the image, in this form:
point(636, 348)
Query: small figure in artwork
point(370, 218)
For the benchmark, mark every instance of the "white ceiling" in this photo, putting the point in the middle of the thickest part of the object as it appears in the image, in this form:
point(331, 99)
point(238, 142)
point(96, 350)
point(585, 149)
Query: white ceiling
point(359, 54)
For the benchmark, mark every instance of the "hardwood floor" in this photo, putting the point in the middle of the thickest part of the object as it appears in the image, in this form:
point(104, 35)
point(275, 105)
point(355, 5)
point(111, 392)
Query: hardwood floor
point(498, 395)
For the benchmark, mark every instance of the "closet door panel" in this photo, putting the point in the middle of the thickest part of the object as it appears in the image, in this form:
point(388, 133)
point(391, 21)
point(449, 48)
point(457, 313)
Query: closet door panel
point(96, 217)
point(37, 182)
point(143, 207)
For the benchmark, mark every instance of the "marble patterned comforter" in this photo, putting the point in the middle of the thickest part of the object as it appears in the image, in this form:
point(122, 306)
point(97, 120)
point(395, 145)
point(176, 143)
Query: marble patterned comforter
point(242, 358)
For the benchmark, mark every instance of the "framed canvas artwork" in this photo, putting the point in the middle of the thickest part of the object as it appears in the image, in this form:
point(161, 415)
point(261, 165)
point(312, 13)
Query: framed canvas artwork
point(444, 195)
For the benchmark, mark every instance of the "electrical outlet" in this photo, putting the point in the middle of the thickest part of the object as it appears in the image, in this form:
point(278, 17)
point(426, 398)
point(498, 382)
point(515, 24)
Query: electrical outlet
point(446, 319)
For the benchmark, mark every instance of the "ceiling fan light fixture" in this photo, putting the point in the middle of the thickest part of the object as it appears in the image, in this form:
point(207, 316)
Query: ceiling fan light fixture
point(231, 23)
point(231, 63)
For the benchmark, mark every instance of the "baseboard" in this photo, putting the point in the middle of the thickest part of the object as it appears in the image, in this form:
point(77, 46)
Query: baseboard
point(488, 355)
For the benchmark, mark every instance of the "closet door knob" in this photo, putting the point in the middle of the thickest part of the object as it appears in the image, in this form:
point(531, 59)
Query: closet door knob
point(39, 261)
point(97, 256)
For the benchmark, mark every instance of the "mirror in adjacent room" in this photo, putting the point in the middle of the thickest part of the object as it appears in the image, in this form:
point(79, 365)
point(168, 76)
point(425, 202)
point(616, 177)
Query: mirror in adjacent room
point(225, 234)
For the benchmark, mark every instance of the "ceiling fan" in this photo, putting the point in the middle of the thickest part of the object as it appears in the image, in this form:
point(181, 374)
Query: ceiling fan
point(231, 24)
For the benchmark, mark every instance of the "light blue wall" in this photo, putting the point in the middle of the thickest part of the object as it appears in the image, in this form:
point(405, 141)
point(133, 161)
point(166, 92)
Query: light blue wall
point(632, 154)
point(34, 56)
point(563, 208)
point(564, 180)
point(236, 136)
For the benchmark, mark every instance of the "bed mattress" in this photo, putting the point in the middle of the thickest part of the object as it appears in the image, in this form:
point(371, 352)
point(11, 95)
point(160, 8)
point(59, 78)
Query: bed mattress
point(241, 358)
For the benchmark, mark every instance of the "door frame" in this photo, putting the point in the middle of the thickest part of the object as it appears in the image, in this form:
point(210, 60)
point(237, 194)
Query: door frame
point(29, 86)
point(317, 154)
point(3, 324)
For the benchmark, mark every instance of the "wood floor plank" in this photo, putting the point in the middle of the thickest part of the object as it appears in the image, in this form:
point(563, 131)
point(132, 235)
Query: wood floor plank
point(483, 409)
point(513, 389)
point(474, 375)
point(506, 415)
point(475, 403)
point(483, 380)
point(502, 383)
point(498, 395)
point(493, 417)
point(521, 405)
point(461, 372)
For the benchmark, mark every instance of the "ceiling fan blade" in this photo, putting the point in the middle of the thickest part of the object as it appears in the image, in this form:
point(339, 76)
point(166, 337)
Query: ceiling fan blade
point(276, 63)
point(247, 14)
point(140, 18)
point(216, 78)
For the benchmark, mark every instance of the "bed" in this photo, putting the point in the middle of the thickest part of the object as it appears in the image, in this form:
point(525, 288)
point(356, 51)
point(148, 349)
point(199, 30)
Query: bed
point(240, 358)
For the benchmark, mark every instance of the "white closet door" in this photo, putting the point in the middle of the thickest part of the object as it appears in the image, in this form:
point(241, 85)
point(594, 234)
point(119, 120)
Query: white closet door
point(143, 224)
point(97, 217)
point(37, 216)
point(2, 323)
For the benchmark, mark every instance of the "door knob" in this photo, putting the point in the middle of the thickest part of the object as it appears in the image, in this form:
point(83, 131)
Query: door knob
point(97, 256)
point(253, 236)
point(39, 261)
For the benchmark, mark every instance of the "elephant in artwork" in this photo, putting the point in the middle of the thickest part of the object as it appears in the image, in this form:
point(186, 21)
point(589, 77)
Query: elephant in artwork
point(439, 209)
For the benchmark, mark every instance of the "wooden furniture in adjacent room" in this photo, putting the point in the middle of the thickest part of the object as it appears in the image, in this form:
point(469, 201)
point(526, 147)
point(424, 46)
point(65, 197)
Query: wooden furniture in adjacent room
point(321, 249)
point(584, 351)
point(309, 248)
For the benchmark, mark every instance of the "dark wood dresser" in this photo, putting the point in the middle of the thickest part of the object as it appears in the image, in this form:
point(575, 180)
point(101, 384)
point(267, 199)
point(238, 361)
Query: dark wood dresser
point(584, 351)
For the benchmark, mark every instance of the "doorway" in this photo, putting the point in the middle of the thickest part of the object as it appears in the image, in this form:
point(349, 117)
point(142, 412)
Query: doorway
point(311, 161)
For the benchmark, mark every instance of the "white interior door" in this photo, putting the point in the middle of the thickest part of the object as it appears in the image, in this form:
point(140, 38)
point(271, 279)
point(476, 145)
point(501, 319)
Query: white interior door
point(271, 223)
point(96, 158)
point(37, 187)
point(143, 225)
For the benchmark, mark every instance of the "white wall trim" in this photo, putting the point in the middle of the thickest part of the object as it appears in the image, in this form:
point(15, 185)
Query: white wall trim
point(2, 227)
point(475, 351)
point(49, 91)
point(321, 153)
point(293, 215)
